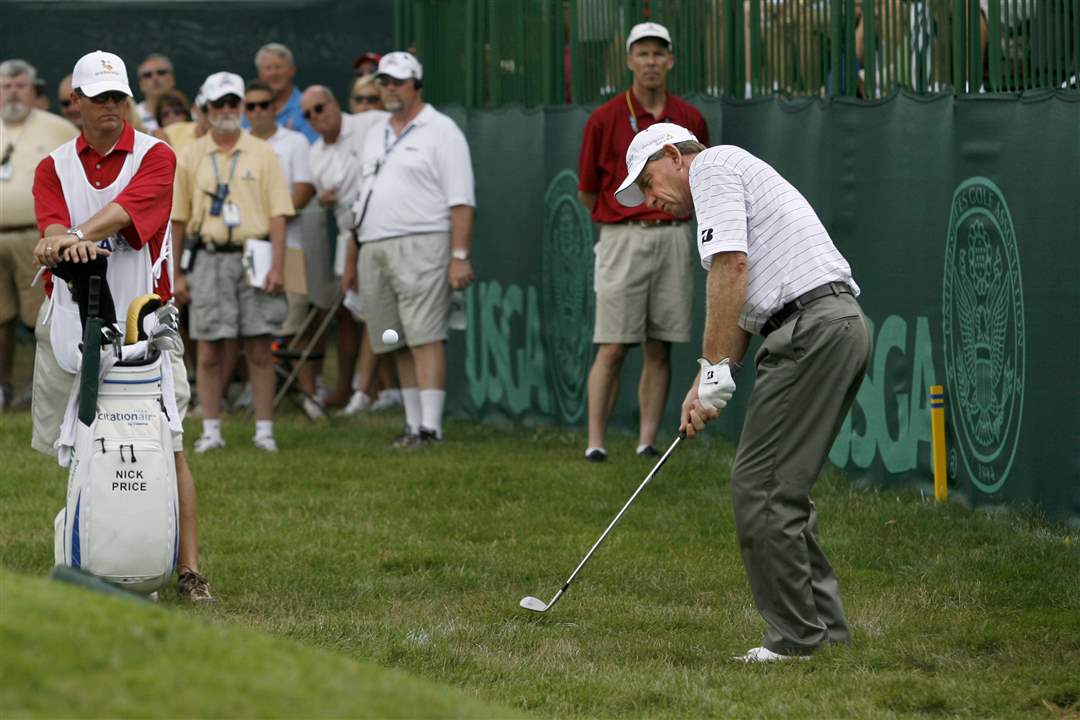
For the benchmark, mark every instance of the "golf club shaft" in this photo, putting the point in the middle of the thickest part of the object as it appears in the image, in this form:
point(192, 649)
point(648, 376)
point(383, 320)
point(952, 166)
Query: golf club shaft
point(629, 502)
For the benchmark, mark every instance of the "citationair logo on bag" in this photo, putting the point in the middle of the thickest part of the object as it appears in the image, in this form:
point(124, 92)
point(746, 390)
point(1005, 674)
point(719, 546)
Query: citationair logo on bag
point(983, 318)
point(128, 417)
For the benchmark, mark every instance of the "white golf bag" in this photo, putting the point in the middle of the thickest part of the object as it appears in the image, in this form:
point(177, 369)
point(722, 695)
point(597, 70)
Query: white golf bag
point(121, 522)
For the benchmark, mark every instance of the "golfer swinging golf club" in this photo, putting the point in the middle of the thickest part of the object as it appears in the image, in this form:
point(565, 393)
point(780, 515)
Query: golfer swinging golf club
point(774, 271)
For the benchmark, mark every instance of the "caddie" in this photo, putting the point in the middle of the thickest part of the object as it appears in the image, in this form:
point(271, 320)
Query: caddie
point(107, 192)
point(772, 271)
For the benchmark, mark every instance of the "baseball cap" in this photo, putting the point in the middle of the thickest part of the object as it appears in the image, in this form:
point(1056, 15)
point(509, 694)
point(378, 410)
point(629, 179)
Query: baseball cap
point(367, 57)
point(644, 144)
point(648, 30)
point(99, 72)
point(221, 84)
point(400, 65)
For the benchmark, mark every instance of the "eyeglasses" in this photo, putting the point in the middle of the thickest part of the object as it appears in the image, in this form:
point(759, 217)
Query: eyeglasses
point(384, 80)
point(147, 74)
point(228, 101)
point(65, 103)
point(315, 110)
point(369, 99)
point(262, 105)
point(114, 96)
point(173, 110)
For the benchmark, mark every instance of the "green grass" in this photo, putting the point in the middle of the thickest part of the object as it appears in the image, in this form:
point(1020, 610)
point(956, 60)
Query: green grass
point(415, 560)
point(71, 653)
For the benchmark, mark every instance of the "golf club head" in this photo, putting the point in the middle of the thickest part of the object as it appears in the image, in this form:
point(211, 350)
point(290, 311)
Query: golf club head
point(534, 604)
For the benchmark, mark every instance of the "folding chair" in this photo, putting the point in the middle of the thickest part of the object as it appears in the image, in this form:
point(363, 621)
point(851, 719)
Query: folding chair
point(291, 358)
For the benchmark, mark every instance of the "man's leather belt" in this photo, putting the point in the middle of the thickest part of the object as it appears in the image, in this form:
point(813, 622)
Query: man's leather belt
point(17, 228)
point(213, 247)
point(651, 223)
point(832, 288)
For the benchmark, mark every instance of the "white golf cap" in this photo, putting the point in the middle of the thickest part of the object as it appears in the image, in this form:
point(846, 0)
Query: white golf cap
point(99, 72)
point(644, 144)
point(221, 84)
point(400, 65)
point(648, 30)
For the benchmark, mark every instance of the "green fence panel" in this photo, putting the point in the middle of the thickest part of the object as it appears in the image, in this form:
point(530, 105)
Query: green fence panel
point(960, 222)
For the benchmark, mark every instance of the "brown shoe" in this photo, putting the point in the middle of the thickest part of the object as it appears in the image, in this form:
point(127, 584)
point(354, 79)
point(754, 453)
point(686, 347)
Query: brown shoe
point(192, 586)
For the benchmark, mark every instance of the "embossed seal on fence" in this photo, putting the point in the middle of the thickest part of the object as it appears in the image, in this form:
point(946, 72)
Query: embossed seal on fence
point(568, 297)
point(983, 331)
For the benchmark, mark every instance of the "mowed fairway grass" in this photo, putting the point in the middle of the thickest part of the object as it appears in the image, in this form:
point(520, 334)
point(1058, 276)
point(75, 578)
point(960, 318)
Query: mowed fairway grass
point(345, 548)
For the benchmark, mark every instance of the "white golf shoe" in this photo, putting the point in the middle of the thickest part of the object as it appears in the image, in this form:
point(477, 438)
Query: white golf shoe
point(765, 655)
point(391, 397)
point(358, 403)
point(266, 442)
point(206, 443)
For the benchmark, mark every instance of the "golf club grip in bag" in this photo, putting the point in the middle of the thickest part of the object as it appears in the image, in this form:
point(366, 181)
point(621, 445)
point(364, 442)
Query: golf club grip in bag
point(121, 520)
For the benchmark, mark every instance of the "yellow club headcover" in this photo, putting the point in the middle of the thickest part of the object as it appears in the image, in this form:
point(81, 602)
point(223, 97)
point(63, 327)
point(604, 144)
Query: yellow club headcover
point(139, 308)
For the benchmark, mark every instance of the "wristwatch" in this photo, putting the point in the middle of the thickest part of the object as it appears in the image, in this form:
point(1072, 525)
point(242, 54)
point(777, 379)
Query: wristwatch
point(459, 254)
point(77, 232)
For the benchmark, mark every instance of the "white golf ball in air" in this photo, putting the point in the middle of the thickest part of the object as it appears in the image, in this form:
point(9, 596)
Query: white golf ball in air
point(389, 336)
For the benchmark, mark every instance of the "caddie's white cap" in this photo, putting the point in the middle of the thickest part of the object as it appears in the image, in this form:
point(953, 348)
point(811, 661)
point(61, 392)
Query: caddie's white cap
point(400, 65)
point(648, 30)
point(99, 72)
point(221, 84)
point(644, 144)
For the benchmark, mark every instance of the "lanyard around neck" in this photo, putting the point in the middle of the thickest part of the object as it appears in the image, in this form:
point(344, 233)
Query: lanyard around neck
point(630, 110)
point(232, 170)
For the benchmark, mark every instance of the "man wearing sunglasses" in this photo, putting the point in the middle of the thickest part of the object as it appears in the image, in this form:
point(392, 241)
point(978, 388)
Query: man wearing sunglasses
point(335, 165)
point(26, 136)
point(414, 225)
point(292, 151)
point(230, 190)
point(107, 193)
point(68, 108)
point(155, 79)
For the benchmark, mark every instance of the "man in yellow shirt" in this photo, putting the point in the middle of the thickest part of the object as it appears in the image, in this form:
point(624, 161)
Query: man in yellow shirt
point(26, 136)
point(230, 191)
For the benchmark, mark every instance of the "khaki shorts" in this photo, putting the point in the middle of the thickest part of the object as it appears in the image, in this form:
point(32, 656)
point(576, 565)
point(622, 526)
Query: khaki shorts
point(404, 287)
point(223, 304)
point(52, 387)
point(297, 313)
point(644, 282)
point(17, 270)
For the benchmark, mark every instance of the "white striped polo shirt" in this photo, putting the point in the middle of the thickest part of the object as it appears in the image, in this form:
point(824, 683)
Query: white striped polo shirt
point(743, 204)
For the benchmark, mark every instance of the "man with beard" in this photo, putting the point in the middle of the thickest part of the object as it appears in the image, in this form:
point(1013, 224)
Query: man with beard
point(26, 136)
point(230, 190)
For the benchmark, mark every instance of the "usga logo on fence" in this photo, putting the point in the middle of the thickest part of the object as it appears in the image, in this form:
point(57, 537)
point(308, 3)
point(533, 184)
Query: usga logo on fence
point(983, 318)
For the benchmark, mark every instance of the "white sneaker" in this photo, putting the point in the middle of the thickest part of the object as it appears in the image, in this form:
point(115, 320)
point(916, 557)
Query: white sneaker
point(266, 442)
point(765, 655)
point(359, 402)
point(391, 397)
point(206, 443)
point(312, 409)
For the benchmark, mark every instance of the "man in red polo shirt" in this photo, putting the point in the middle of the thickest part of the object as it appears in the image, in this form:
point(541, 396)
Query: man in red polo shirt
point(644, 271)
point(107, 192)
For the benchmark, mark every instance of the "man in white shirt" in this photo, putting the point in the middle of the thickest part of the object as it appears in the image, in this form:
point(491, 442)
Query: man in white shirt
point(335, 161)
point(414, 225)
point(774, 271)
point(156, 78)
point(292, 149)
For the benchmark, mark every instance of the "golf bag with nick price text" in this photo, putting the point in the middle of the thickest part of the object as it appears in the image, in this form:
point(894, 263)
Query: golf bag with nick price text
point(121, 520)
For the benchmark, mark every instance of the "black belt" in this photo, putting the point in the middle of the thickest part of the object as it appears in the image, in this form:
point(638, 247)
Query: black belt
point(17, 228)
point(832, 288)
point(651, 223)
point(213, 247)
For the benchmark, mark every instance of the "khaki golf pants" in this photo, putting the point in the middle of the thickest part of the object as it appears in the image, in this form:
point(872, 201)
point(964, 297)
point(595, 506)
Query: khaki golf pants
point(808, 371)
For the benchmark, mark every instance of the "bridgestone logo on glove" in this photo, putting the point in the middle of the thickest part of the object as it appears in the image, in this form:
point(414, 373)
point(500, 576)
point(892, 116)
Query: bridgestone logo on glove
point(716, 386)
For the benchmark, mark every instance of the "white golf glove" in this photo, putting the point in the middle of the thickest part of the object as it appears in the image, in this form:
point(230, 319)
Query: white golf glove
point(715, 386)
